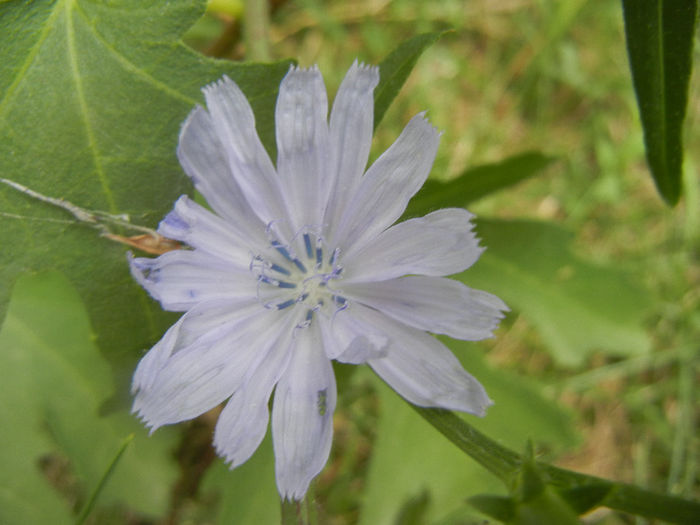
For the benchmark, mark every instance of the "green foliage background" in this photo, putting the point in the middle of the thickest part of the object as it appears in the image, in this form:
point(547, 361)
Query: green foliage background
point(540, 139)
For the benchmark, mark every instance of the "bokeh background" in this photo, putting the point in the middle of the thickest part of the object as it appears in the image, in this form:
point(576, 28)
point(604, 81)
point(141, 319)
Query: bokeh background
point(596, 364)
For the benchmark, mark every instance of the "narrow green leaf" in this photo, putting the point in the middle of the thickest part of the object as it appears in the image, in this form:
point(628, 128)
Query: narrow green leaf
point(92, 96)
point(87, 509)
point(577, 307)
point(659, 44)
point(395, 68)
point(477, 182)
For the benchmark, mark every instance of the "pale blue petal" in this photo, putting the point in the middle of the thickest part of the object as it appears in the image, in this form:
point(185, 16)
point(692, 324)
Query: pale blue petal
point(243, 421)
point(441, 243)
point(349, 341)
point(234, 122)
point(180, 279)
point(204, 370)
point(155, 359)
point(201, 229)
point(202, 322)
point(302, 415)
point(435, 304)
point(423, 370)
point(302, 144)
point(351, 126)
point(203, 157)
point(388, 185)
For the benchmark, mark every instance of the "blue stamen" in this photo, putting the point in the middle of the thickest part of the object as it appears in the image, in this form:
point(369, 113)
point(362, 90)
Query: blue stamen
point(319, 254)
point(281, 249)
point(286, 304)
point(284, 284)
point(340, 301)
point(280, 269)
point(334, 256)
point(299, 265)
point(307, 243)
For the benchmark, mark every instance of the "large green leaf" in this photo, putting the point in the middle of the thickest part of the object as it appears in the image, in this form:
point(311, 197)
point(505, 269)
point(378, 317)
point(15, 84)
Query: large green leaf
point(92, 94)
point(476, 183)
point(395, 68)
point(410, 457)
point(577, 307)
point(247, 494)
point(660, 36)
point(54, 381)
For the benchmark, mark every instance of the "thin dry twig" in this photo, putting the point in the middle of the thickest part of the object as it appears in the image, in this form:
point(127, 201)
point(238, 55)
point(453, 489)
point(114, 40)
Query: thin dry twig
point(150, 241)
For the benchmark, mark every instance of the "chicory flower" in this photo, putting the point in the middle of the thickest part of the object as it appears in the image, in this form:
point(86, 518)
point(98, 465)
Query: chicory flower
point(300, 264)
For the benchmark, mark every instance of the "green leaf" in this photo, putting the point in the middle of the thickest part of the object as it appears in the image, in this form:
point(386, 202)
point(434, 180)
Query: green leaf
point(395, 68)
point(576, 306)
point(413, 511)
point(536, 502)
point(476, 183)
point(501, 508)
point(92, 95)
point(660, 36)
point(54, 381)
point(92, 500)
point(546, 507)
point(246, 494)
point(531, 483)
point(410, 457)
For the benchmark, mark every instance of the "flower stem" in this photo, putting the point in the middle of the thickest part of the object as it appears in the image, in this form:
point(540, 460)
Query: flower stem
point(300, 512)
point(291, 513)
point(255, 30)
point(505, 463)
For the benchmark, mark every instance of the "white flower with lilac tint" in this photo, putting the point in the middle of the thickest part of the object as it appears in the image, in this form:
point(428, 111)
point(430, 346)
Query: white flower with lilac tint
point(301, 264)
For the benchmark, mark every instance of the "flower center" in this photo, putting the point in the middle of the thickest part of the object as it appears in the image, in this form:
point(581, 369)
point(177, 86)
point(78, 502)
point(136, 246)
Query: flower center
point(300, 274)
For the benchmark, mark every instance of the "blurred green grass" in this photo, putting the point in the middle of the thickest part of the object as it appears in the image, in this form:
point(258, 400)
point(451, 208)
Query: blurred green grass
point(551, 76)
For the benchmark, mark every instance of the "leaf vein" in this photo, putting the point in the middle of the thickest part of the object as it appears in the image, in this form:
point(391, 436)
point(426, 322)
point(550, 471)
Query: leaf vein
point(85, 111)
point(129, 66)
point(12, 89)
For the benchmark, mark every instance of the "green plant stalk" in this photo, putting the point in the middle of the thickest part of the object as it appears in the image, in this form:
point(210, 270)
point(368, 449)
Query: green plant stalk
point(255, 30)
point(691, 190)
point(678, 480)
point(87, 509)
point(300, 512)
point(505, 464)
point(640, 453)
point(291, 513)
